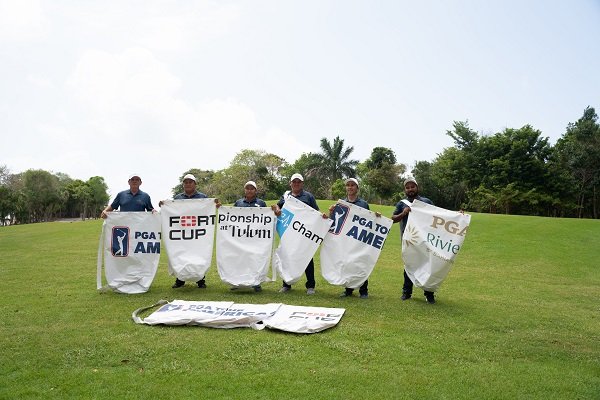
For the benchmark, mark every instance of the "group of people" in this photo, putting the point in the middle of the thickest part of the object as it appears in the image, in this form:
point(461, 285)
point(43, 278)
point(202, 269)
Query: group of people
point(135, 199)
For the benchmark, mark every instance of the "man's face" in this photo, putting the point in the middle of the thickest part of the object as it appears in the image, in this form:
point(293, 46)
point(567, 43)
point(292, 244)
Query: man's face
point(296, 185)
point(189, 186)
point(411, 190)
point(351, 189)
point(249, 192)
point(134, 183)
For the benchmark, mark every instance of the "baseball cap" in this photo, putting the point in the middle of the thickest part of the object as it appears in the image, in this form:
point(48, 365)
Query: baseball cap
point(189, 176)
point(410, 179)
point(352, 180)
point(297, 176)
point(251, 183)
point(133, 176)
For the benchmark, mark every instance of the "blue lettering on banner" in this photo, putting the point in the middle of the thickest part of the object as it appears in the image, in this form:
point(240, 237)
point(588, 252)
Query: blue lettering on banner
point(119, 244)
point(283, 221)
point(340, 215)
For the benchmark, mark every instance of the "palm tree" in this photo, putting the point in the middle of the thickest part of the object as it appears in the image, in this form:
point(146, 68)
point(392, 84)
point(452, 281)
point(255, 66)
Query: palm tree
point(334, 162)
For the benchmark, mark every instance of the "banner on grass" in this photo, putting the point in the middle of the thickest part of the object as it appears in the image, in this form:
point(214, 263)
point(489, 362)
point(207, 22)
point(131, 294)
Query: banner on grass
point(244, 244)
point(301, 229)
point(352, 246)
point(130, 248)
point(432, 238)
point(224, 314)
point(188, 228)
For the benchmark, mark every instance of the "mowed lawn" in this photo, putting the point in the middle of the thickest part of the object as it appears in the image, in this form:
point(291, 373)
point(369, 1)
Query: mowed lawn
point(517, 317)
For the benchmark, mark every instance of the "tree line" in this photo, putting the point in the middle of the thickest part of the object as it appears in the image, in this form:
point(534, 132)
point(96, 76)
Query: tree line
point(515, 171)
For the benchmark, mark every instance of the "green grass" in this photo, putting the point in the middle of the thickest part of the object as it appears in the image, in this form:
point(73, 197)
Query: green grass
point(518, 317)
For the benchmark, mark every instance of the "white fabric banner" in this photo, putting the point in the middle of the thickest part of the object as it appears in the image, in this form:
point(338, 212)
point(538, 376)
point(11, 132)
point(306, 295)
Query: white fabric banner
point(130, 246)
point(432, 238)
point(301, 229)
point(188, 232)
point(300, 319)
point(223, 314)
point(352, 246)
point(244, 244)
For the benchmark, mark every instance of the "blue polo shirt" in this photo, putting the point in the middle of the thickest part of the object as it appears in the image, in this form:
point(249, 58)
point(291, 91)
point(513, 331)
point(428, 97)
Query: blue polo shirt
point(195, 195)
point(127, 201)
point(304, 196)
point(401, 206)
point(359, 202)
point(256, 202)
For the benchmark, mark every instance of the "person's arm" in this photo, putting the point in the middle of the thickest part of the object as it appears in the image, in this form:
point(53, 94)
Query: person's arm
point(400, 212)
point(104, 212)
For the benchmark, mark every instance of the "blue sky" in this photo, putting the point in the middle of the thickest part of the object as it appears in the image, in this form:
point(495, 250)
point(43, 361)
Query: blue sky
point(113, 87)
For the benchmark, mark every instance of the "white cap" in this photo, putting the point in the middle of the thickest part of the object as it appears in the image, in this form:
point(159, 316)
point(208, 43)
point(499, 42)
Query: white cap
point(189, 176)
point(297, 176)
point(352, 180)
point(251, 183)
point(410, 179)
point(133, 176)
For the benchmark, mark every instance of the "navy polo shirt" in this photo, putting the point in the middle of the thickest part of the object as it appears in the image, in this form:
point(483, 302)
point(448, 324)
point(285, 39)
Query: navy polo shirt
point(304, 196)
point(401, 206)
point(127, 201)
point(183, 196)
point(359, 202)
point(256, 202)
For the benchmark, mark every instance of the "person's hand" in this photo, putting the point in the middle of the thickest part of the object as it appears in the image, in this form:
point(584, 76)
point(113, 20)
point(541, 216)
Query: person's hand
point(160, 203)
point(377, 214)
point(218, 203)
point(325, 216)
point(276, 209)
point(103, 214)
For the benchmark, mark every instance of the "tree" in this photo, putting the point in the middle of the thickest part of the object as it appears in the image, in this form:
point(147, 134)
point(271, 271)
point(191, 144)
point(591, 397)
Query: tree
point(335, 162)
point(578, 151)
point(41, 190)
point(381, 174)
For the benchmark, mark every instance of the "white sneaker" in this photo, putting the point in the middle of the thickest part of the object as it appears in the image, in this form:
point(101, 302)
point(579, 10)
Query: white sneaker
point(284, 289)
point(310, 291)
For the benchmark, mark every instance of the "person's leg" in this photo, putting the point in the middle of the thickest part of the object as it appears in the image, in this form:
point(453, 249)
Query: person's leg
point(407, 288)
point(310, 275)
point(202, 283)
point(364, 289)
point(178, 283)
point(429, 296)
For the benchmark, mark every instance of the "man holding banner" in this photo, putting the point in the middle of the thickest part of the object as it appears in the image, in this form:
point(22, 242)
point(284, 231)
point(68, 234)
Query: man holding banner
point(352, 197)
point(250, 200)
point(130, 200)
point(411, 189)
point(298, 192)
point(189, 192)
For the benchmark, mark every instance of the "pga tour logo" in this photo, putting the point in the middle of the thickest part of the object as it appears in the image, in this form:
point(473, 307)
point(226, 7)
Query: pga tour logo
point(283, 221)
point(119, 244)
point(340, 215)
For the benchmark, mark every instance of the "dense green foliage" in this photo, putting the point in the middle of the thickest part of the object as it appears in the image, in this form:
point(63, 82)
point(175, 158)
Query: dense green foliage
point(516, 318)
point(515, 171)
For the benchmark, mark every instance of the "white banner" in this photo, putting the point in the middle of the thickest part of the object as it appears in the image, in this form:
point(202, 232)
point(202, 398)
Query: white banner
point(188, 228)
point(352, 245)
point(130, 246)
point(224, 314)
point(300, 319)
point(244, 244)
point(432, 238)
point(301, 229)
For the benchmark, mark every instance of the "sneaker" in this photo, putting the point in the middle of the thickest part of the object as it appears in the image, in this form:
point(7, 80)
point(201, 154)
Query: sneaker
point(345, 294)
point(364, 296)
point(284, 289)
point(310, 291)
point(406, 296)
point(178, 284)
point(201, 285)
point(257, 288)
point(430, 298)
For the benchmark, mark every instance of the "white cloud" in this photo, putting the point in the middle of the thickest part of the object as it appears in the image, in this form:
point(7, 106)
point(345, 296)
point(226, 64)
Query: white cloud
point(21, 20)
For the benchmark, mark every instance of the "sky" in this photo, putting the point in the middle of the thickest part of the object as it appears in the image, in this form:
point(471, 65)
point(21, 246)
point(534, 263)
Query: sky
point(111, 88)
